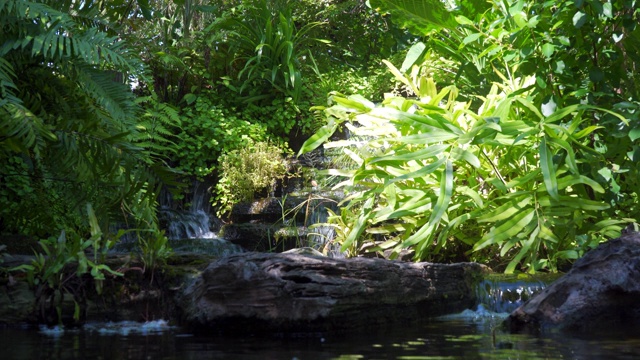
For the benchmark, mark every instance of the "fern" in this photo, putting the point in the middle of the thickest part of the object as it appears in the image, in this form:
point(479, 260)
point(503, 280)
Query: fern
point(63, 113)
point(156, 126)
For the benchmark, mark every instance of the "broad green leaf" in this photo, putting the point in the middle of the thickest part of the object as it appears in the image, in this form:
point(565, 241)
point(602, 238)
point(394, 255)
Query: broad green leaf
point(470, 38)
point(566, 254)
point(607, 10)
point(548, 50)
point(579, 19)
point(413, 55)
point(421, 17)
point(317, 139)
point(462, 20)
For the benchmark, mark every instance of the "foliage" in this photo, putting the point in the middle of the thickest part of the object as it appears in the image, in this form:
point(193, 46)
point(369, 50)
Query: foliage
point(156, 126)
point(246, 171)
point(207, 132)
point(434, 171)
point(68, 118)
point(269, 46)
point(61, 270)
point(155, 251)
point(524, 164)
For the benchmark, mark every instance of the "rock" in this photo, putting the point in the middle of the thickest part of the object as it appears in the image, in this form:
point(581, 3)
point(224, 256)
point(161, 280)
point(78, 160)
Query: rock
point(263, 292)
point(16, 303)
point(601, 290)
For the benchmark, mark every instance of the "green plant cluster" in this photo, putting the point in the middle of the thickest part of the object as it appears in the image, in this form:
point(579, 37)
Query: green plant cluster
point(207, 132)
point(61, 268)
point(247, 171)
point(536, 163)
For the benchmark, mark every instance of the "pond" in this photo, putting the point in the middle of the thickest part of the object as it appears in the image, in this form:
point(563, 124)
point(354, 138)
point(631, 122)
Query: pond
point(472, 334)
point(469, 335)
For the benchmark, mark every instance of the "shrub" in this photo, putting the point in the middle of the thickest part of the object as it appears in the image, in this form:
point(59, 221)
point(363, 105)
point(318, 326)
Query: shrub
point(246, 171)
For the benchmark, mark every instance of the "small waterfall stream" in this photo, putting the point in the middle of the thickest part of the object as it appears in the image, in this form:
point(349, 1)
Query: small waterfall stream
point(504, 293)
point(191, 229)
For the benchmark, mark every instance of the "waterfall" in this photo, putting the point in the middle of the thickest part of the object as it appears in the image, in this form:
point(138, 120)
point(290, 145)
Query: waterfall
point(320, 235)
point(505, 293)
point(191, 223)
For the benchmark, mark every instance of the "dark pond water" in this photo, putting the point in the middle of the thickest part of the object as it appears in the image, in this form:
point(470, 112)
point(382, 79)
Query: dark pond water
point(469, 335)
point(466, 336)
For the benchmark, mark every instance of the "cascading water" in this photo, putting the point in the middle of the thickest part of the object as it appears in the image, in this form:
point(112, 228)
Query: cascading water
point(194, 223)
point(320, 235)
point(191, 230)
point(505, 293)
point(498, 295)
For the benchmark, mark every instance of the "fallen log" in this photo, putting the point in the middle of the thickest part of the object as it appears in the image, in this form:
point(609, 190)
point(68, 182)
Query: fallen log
point(265, 292)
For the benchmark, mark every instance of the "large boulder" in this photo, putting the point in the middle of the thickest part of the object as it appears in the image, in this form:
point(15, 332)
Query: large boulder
point(602, 289)
point(257, 292)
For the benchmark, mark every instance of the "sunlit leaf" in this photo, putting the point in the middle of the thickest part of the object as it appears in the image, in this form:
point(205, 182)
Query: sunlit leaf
point(548, 169)
point(506, 229)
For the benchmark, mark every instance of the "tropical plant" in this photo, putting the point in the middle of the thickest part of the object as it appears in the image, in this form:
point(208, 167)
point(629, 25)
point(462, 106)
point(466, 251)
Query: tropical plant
point(61, 268)
point(269, 48)
point(154, 251)
point(507, 175)
point(208, 131)
point(67, 114)
point(523, 165)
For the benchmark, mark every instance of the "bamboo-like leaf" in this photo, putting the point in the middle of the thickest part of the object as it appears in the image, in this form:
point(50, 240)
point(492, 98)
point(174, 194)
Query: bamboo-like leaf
point(586, 131)
point(560, 113)
point(571, 155)
point(529, 105)
point(505, 210)
point(420, 173)
point(434, 135)
point(317, 139)
point(422, 154)
point(400, 77)
point(426, 232)
point(573, 202)
point(570, 180)
point(444, 198)
point(359, 225)
point(524, 251)
point(522, 181)
point(466, 155)
point(507, 229)
point(355, 102)
point(548, 170)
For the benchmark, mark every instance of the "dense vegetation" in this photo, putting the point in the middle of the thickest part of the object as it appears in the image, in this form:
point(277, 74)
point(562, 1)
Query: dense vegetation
point(495, 131)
